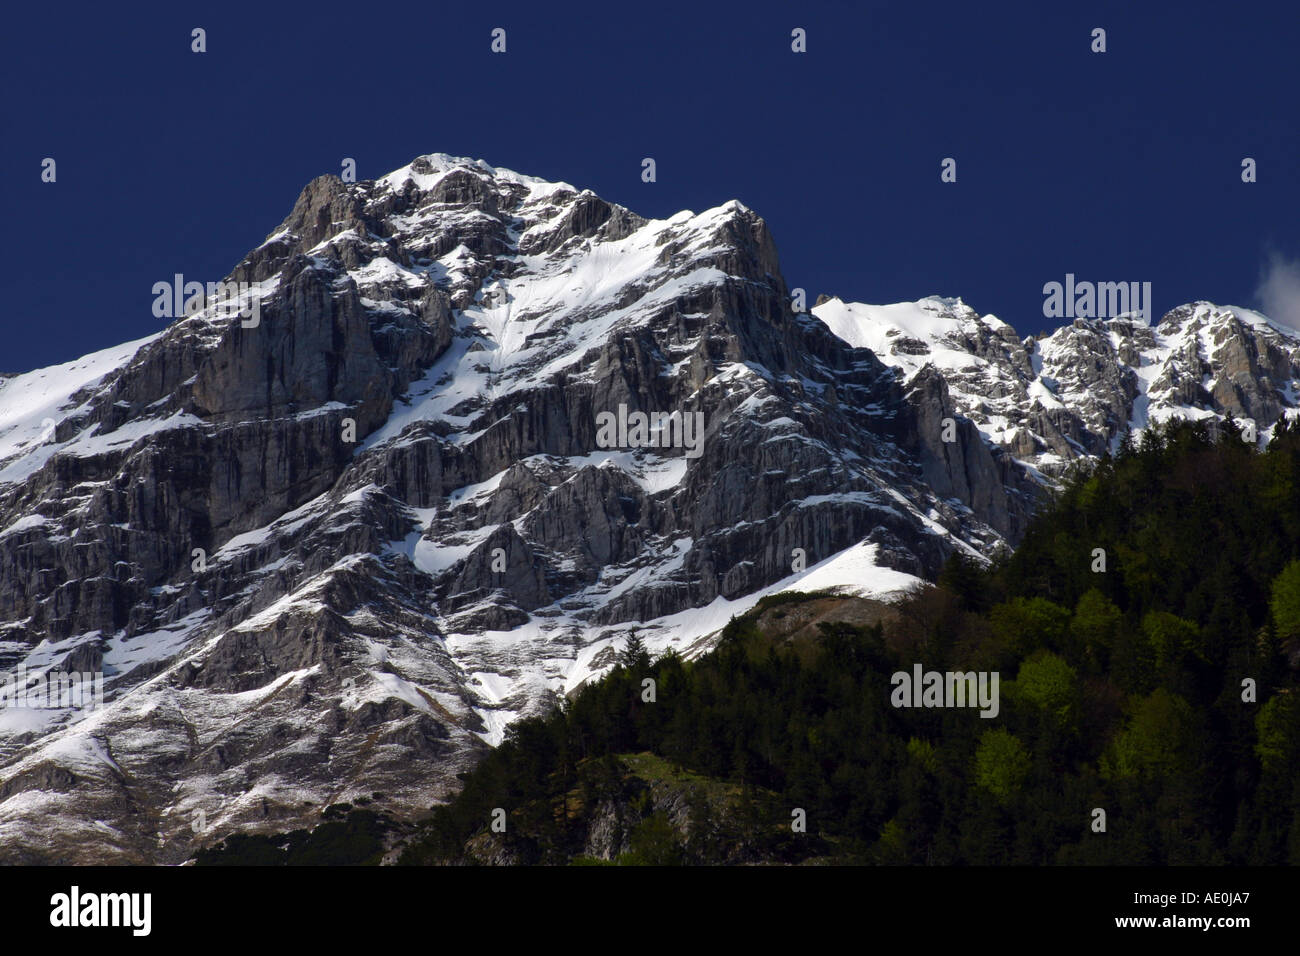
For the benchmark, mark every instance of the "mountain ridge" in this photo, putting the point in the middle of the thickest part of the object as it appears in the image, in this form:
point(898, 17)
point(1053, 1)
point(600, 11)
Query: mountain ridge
point(287, 619)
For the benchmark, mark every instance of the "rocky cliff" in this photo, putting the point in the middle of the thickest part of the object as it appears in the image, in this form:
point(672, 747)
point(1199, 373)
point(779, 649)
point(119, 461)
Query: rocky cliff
point(332, 553)
point(1079, 391)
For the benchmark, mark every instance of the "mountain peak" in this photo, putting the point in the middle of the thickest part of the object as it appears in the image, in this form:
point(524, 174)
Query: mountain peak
point(426, 169)
point(1077, 391)
point(483, 429)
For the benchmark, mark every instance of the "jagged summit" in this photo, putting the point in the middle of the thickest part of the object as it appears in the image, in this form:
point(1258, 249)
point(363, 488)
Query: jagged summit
point(1051, 399)
point(438, 164)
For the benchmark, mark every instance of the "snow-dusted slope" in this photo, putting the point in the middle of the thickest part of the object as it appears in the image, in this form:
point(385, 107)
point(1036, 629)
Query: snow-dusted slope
point(1080, 390)
point(31, 405)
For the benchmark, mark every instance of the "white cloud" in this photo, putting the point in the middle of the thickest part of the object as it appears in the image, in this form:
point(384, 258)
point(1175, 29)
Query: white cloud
point(1279, 291)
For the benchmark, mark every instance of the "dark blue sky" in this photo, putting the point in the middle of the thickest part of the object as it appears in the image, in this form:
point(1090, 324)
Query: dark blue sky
point(1118, 166)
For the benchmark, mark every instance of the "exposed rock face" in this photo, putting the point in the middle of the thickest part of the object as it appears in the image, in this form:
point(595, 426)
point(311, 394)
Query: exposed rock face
point(1080, 390)
point(966, 468)
point(336, 552)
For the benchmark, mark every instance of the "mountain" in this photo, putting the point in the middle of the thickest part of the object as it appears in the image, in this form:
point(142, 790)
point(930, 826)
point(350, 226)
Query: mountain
point(327, 554)
point(1078, 391)
point(1147, 715)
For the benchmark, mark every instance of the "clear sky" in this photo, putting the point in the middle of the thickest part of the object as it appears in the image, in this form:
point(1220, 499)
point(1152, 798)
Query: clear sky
point(1115, 166)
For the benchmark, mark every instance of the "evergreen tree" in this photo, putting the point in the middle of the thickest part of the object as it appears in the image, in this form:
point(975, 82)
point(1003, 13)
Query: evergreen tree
point(634, 655)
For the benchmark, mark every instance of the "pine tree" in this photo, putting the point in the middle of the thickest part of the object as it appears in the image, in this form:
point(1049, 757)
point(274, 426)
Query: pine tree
point(634, 656)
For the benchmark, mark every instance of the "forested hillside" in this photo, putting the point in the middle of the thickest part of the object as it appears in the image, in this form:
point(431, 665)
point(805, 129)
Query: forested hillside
point(1147, 635)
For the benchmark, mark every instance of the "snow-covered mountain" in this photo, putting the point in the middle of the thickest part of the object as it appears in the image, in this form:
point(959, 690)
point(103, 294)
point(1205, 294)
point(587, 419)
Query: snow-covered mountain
point(333, 552)
point(1081, 389)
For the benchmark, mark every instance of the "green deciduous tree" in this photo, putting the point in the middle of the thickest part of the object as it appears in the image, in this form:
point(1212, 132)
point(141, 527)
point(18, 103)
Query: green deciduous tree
point(1030, 623)
point(1048, 683)
point(1001, 763)
point(1158, 739)
point(1285, 602)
